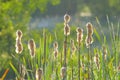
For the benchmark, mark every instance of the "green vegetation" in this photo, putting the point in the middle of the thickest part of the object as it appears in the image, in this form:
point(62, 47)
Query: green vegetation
point(96, 62)
point(16, 14)
point(53, 53)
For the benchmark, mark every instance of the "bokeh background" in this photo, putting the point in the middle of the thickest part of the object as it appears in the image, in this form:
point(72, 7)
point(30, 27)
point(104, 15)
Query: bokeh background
point(32, 15)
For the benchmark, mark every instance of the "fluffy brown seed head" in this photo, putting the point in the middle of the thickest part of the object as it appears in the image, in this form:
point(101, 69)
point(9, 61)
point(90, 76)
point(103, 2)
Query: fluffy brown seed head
point(89, 39)
point(66, 30)
point(73, 48)
point(55, 45)
point(79, 35)
point(79, 30)
point(118, 68)
point(31, 47)
point(55, 53)
point(96, 60)
point(19, 33)
point(89, 28)
point(19, 48)
point(67, 18)
point(104, 52)
point(63, 71)
point(31, 44)
point(82, 66)
point(38, 74)
point(18, 45)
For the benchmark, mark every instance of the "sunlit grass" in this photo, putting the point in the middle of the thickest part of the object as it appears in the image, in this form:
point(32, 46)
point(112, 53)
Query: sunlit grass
point(100, 61)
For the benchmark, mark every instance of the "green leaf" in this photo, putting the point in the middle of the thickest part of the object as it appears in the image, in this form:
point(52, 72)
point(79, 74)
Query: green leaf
point(97, 35)
point(14, 69)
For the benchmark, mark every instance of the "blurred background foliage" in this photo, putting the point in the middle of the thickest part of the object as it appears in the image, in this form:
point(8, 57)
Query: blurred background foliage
point(16, 14)
point(19, 14)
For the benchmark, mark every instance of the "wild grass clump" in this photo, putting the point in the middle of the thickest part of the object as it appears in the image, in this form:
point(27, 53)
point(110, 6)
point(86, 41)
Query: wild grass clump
point(70, 58)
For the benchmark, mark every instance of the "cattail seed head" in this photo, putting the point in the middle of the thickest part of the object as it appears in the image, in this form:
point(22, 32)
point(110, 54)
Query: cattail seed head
point(104, 52)
point(55, 53)
point(79, 35)
point(82, 66)
point(66, 18)
point(89, 38)
point(66, 30)
point(39, 73)
point(63, 71)
point(55, 45)
point(73, 48)
point(118, 68)
point(18, 45)
point(19, 33)
point(31, 47)
point(96, 60)
point(89, 28)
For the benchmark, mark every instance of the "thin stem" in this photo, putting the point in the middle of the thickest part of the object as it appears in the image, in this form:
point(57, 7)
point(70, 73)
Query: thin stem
point(44, 54)
point(65, 51)
point(56, 70)
point(65, 55)
point(79, 61)
point(89, 62)
point(72, 70)
point(71, 59)
point(91, 65)
point(61, 59)
point(72, 65)
point(104, 68)
point(32, 67)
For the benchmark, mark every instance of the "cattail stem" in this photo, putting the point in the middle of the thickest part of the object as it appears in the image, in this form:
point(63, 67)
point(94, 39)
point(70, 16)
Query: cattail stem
point(19, 66)
point(79, 61)
point(115, 52)
point(72, 64)
point(40, 60)
point(65, 55)
point(56, 69)
point(71, 56)
point(66, 33)
point(90, 65)
point(103, 65)
point(32, 67)
point(65, 50)
point(89, 40)
point(61, 59)
point(89, 62)
point(44, 65)
point(104, 62)
point(57, 74)
point(79, 40)
point(92, 74)
point(72, 70)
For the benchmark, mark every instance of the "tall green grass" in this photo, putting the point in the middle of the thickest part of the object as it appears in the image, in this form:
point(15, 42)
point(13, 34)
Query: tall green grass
point(98, 62)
